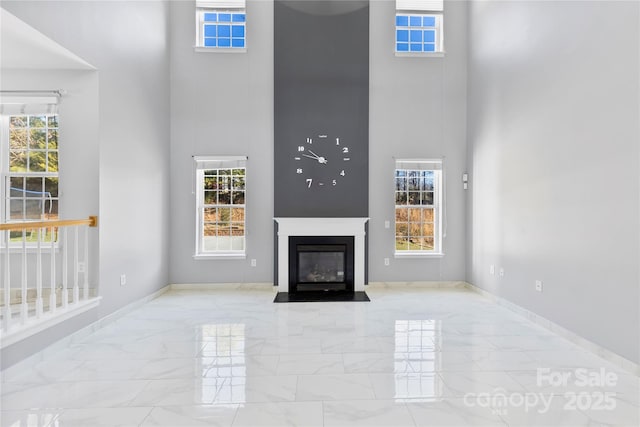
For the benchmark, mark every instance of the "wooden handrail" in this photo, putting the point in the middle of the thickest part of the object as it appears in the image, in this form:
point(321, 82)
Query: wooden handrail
point(92, 221)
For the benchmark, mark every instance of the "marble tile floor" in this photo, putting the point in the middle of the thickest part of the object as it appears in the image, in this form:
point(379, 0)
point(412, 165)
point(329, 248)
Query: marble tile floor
point(410, 357)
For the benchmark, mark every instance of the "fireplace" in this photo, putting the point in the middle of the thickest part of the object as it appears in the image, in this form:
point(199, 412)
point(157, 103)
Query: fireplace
point(321, 263)
point(319, 229)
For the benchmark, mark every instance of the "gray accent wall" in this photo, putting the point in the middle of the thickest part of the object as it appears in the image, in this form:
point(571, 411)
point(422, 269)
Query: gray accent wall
point(553, 135)
point(321, 73)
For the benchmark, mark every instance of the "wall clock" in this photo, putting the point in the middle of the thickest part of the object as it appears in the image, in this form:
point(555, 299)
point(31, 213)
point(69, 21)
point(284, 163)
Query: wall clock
point(322, 161)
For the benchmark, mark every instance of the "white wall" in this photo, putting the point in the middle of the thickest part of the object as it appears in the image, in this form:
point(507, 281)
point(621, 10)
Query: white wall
point(417, 110)
point(553, 133)
point(127, 43)
point(222, 104)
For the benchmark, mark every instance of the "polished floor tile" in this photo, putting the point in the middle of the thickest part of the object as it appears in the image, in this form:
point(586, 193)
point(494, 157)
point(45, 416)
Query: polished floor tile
point(411, 357)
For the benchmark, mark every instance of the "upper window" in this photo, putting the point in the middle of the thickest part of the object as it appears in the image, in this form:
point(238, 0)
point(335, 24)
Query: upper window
point(221, 25)
point(30, 167)
point(419, 27)
point(220, 206)
point(418, 205)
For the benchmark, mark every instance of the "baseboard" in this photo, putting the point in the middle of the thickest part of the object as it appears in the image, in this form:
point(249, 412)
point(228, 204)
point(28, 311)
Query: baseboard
point(426, 284)
point(592, 347)
point(266, 286)
point(80, 334)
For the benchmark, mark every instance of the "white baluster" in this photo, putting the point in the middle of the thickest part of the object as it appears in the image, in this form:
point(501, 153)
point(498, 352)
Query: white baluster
point(65, 269)
point(39, 305)
point(86, 263)
point(52, 272)
point(76, 273)
point(24, 307)
point(7, 283)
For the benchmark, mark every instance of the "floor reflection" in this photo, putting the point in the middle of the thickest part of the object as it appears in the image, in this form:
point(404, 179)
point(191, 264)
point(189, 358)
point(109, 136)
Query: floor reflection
point(223, 358)
point(417, 361)
point(34, 418)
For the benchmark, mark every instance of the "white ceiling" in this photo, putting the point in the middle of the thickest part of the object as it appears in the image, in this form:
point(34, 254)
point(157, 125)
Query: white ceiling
point(24, 47)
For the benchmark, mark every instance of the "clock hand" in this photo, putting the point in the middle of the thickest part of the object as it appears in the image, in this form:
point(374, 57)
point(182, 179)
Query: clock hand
point(320, 159)
point(311, 157)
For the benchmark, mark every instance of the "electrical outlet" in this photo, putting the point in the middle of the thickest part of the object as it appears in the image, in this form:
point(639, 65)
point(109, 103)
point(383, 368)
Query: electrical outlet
point(539, 285)
point(492, 270)
point(386, 261)
point(387, 224)
point(501, 272)
point(123, 279)
point(253, 262)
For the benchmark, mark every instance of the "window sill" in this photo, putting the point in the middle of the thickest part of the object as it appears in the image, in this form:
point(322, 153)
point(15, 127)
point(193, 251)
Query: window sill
point(419, 255)
point(30, 249)
point(221, 256)
point(421, 54)
point(220, 50)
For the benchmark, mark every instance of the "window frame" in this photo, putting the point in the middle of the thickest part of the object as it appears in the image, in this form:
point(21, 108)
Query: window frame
point(6, 175)
point(437, 206)
point(200, 28)
point(438, 37)
point(424, 9)
point(202, 164)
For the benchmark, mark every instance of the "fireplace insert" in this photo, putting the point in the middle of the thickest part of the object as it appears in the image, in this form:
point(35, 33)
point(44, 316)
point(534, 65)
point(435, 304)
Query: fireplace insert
point(321, 263)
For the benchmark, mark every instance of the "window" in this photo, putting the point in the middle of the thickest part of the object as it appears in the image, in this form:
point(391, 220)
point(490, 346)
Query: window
point(418, 204)
point(221, 25)
point(30, 167)
point(220, 205)
point(419, 26)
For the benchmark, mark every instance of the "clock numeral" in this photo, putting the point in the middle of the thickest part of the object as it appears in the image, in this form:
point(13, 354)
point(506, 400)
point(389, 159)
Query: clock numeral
point(345, 149)
point(346, 159)
point(337, 141)
point(342, 172)
point(300, 147)
point(297, 158)
point(309, 181)
point(334, 182)
point(309, 141)
point(299, 170)
point(322, 136)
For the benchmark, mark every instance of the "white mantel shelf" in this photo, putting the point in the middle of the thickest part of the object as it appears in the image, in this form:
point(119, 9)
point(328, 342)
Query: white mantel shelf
point(320, 227)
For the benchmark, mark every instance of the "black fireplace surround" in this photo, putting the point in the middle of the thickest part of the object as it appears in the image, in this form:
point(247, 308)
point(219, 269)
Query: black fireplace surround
point(321, 263)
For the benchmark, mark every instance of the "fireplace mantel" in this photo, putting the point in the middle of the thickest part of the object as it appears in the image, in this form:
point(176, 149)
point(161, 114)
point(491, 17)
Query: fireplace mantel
point(320, 227)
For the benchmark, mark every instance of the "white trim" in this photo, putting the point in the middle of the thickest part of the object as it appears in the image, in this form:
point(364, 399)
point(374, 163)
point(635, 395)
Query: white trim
point(321, 227)
point(267, 286)
point(49, 319)
point(438, 206)
point(220, 49)
point(419, 164)
point(221, 4)
point(31, 247)
point(423, 54)
point(219, 256)
point(200, 159)
point(580, 341)
point(421, 5)
point(202, 164)
point(421, 285)
point(409, 254)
